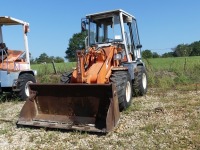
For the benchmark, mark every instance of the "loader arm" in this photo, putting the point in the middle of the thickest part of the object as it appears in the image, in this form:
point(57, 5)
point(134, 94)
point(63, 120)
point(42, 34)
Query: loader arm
point(94, 66)
point(105, 71)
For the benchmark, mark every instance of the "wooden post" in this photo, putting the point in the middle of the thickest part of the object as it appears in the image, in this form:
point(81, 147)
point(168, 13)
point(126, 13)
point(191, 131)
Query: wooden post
point(185, 65)
point(55, 71)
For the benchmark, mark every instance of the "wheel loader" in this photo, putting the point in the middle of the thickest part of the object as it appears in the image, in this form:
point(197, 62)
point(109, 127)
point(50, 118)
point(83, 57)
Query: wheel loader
point(109, 71)
point(15, 71)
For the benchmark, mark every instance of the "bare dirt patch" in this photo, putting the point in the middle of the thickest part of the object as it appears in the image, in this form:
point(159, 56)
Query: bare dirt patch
point(159, 120)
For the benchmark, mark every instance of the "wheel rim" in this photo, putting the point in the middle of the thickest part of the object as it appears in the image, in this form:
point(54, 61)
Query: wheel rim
point(128, 91)
point(144, 81)
point(27, 88)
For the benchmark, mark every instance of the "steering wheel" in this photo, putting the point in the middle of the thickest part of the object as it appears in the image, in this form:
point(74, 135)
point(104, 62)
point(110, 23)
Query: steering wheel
point(109, 40)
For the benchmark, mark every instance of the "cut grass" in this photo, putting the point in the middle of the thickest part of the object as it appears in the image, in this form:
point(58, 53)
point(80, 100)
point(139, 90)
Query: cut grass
point(166, 118)
point(142, 126)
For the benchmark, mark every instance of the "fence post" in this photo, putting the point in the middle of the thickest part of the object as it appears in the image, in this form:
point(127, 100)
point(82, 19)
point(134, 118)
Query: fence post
point(185, 65)
point(55, 71)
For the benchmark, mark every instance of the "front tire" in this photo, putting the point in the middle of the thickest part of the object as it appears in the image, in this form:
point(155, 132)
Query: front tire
point(123, 83)
point(24, 80)
point(65, 77)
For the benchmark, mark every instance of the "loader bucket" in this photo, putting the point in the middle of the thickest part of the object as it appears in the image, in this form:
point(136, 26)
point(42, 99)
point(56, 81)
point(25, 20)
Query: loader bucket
point(84, 107)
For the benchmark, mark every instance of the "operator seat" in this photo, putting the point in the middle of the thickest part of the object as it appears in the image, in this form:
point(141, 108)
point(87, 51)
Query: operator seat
point(3, 50)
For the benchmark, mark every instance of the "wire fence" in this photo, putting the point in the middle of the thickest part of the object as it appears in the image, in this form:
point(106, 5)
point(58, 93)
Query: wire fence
point(174, 73)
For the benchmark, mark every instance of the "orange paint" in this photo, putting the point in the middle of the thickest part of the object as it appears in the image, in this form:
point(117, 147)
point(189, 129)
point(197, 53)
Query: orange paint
point(95, 65)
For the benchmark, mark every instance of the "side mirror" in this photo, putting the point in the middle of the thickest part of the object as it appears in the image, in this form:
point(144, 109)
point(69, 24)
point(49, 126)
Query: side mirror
point(139, 46)
point(83, 26)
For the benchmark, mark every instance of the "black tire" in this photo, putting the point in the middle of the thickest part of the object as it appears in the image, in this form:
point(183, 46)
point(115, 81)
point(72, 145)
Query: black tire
point(24, 80)
point(123, 83)
point(65, 77)
point(140, 82)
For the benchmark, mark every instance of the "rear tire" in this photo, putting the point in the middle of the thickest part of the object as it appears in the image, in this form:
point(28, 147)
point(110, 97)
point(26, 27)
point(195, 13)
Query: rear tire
point(140, 82)
point(24, 80)
point(123, 83)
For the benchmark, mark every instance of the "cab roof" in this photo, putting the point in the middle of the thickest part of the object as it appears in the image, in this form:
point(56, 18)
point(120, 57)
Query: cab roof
point(6, 20)
point(108, 13)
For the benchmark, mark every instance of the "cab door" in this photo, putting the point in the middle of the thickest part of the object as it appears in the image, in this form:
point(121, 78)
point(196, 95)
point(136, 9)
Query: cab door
point(135, 40)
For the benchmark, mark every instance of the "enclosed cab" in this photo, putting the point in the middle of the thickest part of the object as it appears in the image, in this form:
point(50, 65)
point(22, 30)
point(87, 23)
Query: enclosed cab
point(114, 27)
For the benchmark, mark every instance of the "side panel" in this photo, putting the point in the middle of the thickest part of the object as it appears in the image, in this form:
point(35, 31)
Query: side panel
point(8, 78)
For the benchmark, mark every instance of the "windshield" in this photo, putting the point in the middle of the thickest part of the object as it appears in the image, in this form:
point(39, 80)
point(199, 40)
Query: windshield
point(105, 30)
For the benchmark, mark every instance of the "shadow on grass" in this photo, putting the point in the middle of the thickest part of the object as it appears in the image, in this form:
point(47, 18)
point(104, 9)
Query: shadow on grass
point(8, 97)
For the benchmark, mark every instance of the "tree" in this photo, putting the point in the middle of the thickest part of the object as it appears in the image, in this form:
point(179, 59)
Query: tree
point(169, 54)
point(77, 41)
point(195, 49)
point(195, 52)
point(58, 59)
point(182, 50)
point(43, 58)
point(147, 54)
point(155, 55)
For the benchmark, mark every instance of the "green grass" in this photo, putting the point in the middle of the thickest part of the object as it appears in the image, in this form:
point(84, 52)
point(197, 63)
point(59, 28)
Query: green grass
point(163, 73)
point(47, 74)
point(173, 63)
point(168, 72)
point(45, 69)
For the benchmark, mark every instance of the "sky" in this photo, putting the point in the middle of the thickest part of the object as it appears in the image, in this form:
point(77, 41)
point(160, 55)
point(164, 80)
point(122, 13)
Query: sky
point(162, 24)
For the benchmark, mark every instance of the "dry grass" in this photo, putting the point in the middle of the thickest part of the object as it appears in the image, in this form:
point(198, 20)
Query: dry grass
point(159, 120)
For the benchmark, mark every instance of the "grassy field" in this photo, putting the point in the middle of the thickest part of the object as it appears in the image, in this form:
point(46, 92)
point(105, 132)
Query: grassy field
point(173, 72)
point(45, 69)
point(47, 74)
point(174, 63)
point(162, 72)
point(168, 117)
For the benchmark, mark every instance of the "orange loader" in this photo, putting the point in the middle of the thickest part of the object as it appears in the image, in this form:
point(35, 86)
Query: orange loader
point(109, 71)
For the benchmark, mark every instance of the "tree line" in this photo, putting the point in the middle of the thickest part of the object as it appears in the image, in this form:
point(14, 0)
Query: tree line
point(181, 50)
point(77, 42)
point(44, 58)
